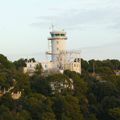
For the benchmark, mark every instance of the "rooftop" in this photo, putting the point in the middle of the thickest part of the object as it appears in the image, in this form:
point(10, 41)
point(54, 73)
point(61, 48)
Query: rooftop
point(58, 32)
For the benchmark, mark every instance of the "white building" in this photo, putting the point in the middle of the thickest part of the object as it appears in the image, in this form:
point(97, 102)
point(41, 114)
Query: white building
point(30, 67)
point(57, 44)
point(58, 87)
point(61, 59)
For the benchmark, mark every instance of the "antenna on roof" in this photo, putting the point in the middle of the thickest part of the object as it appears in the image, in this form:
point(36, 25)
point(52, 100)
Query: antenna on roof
point(52, 27)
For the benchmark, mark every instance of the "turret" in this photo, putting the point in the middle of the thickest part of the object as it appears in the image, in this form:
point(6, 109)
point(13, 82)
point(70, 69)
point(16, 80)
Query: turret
point(58, 44)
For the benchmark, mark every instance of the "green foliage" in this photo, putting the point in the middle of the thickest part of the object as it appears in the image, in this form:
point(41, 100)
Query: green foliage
point(85, 65)
point(59, 81)
point(117, 83)
point(80, 86)
point(40, 85)
point(20, 63)
point(89, 99)
point(68, 108)
point(5, 63)
point(39, 107)
point(103, 89)
point(5, 113)
point(39, 69)
point(23, 115)
point(92, 117)
point(115, 113)
point(23, 83)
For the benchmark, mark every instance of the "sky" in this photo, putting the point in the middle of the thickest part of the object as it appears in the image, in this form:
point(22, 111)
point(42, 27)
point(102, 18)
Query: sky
point(92, 26)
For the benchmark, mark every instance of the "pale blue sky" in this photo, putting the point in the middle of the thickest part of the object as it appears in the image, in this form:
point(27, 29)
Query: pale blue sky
point(92, 26)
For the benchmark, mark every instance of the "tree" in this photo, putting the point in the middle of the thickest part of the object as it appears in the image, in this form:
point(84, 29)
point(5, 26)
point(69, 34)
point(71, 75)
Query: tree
point(115, 113)
point(22, 83)
point(80, 86)
point(92, 117)
point(39, 107)
point(107, 104)
point(39, 69)
point(5, 63)
point(103, 89)
point(19, 64)
point(60, 84)
point(117, 83)
point(5, 113)
point(84, 65)
point(67, 108)
point(23, 115)
point(40, 85)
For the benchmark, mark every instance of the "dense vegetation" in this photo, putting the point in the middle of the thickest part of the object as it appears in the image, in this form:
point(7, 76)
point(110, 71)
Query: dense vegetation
point(96, 93)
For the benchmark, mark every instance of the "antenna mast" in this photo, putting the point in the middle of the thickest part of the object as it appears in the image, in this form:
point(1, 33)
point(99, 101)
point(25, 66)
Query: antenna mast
point(52, 27)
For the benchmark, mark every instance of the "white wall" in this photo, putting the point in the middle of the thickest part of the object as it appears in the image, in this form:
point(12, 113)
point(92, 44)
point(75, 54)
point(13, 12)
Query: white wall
point(57, 46)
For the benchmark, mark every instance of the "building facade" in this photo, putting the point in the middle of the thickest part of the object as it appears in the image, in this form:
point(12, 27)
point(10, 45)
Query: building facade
point(61, 59)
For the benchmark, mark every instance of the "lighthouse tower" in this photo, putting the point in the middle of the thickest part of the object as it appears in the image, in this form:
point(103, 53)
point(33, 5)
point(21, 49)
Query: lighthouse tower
point(57, 44)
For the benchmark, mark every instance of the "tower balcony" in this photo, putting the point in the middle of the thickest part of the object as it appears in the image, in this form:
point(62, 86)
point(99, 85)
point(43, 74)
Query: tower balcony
point(50, 53)
point(57, 38)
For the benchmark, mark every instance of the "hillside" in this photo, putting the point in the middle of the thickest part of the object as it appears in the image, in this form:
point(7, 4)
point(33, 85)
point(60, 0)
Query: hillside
point(93, 95)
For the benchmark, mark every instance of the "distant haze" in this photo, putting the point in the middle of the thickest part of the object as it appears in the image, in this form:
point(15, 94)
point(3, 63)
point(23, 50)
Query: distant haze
point(93, 26)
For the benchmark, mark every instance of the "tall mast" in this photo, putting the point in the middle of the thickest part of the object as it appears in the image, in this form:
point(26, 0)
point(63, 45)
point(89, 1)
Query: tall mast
point(52, 27)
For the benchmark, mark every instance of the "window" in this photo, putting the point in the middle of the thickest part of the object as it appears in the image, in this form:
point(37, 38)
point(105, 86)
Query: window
point(62, 35)
point(56, 34)
point(52, 35)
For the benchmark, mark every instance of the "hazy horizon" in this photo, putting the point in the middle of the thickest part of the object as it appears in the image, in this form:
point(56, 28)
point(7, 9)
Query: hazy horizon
point(92, 26)
point(87, 53)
